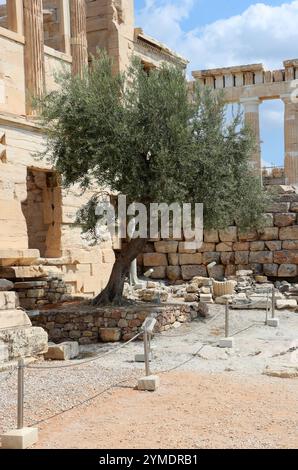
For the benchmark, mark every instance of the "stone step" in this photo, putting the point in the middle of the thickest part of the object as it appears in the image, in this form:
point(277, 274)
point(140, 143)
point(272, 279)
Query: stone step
point(13, 318)
point(18, 257)
point(22, 272)
point(24, 341)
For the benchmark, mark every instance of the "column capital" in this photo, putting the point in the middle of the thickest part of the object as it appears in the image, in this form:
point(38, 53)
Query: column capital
point(251, 105)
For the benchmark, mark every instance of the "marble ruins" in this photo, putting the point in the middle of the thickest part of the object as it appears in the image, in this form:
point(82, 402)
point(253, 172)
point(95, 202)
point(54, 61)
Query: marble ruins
point(42, 251)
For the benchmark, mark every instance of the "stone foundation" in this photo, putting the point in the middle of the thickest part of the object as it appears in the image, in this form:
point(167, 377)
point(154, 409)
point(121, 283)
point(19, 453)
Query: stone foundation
point(17, 336)
point(83, 322)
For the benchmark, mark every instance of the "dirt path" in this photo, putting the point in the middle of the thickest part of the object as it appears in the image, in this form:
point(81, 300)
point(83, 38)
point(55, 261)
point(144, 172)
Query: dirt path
point(190, 410)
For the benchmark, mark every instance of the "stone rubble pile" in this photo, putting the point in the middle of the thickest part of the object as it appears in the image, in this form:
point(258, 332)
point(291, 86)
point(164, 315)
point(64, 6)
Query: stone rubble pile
point(244, 290)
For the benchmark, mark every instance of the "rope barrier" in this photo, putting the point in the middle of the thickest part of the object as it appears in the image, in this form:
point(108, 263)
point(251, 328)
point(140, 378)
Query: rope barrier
point(87, 361)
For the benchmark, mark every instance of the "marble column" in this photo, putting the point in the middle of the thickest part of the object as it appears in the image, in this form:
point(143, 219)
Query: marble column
point(291, 138)
point(79, 48)
point(252, 119)
point(34, 51)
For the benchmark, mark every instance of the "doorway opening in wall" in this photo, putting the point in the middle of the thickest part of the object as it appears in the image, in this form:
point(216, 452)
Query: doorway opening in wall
point(43, 212)
point(56, 25)
point(272, 138)
point(4, 23)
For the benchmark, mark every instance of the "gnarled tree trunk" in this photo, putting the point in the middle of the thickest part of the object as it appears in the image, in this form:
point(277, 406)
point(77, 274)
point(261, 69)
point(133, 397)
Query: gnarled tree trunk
point(113, 292)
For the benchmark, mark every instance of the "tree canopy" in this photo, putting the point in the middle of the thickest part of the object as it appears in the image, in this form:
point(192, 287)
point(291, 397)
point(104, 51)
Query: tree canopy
point(151, 138)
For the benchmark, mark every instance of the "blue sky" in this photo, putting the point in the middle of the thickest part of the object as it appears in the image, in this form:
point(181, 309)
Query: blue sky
point(216, 33)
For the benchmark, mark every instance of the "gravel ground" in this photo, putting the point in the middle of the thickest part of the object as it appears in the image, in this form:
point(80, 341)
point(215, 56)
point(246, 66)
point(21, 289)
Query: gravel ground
point(193, 349)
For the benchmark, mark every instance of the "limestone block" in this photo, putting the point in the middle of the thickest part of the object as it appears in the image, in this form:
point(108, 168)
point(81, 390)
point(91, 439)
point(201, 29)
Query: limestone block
point(210, 256)
point(288, 233)
point(63, 351)
point(227, 258)
point(290, 245)
point(261, 257)
point(110, 335)
point(173, 259)
point(270, 269)
point(269, 233)
point(228, 235)
point(257, 246)
point(200, 281)
point(190, 271)
point(274, 245)
point(5, 285)
point(211, 236)
point(287, 270)
point(286, 303)
point(248, 236)
point(241, 246)
point(206, 247)
point(286, 257)
point(241, 257)
point(153, 295)
point(25, 341)
point(284, 220)
point(155, 259)
point(11, 318)
point(18, 257)
point(13, 272)
point(190, 258)
point(279, 207)
point(159, 272)
point(227, 246)
point(206, 298)
point(217, 272)
point(30, 284)
point(183, 248)
point(173, 273)
point(169, 246)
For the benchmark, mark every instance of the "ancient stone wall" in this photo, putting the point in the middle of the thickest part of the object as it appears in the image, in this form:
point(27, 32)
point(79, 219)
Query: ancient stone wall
point(83, 323)
point(273, 251)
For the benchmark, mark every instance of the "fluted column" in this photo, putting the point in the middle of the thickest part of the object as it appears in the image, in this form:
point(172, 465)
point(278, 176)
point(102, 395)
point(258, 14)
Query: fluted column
point(79, 48)
point(291, 138)
point(34, 51)
point(252, 119)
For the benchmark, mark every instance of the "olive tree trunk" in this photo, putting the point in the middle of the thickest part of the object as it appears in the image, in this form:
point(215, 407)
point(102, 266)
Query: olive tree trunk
point(113, 292)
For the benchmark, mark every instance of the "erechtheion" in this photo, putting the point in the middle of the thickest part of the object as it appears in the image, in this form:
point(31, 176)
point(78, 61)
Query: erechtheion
point(41, 249)
point(37, 38)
